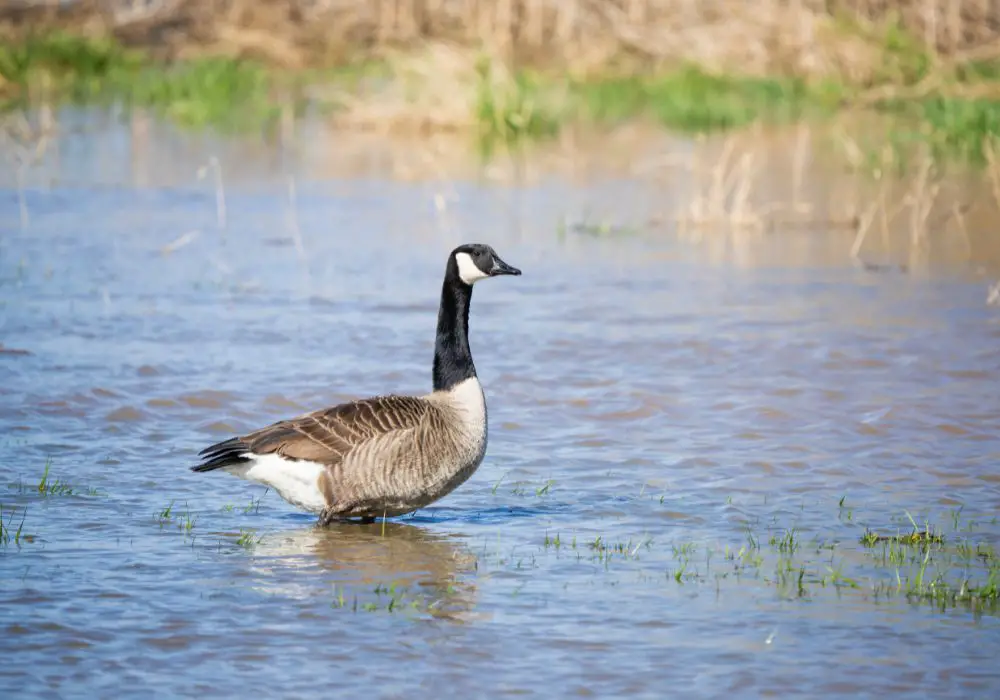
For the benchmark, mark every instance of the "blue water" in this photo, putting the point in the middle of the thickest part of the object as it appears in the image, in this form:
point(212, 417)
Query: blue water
point(658, 413)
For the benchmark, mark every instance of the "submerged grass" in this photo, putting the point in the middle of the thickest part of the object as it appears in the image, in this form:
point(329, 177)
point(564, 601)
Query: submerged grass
point(248, 539)
point(919, 566)
point(53, 487)
point(395, 597)
point(185, 521)
point(11, 531)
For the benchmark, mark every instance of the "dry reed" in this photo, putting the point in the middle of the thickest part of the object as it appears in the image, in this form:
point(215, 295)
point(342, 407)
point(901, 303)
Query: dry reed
point(444, 88)
point(24, 143)
point(724, 187)
point(804, 37)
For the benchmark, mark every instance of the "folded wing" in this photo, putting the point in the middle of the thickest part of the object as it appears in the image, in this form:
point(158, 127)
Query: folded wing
point(325, 436)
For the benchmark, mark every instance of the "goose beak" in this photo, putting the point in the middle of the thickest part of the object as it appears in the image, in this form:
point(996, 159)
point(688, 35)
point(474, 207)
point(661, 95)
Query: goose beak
point(502, 268)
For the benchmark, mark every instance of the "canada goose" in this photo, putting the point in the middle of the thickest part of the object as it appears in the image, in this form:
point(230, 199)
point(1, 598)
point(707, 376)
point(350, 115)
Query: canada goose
point(385, 455)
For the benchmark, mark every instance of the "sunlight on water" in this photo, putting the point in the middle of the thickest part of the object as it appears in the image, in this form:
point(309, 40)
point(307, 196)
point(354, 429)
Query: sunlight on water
point(687, 448)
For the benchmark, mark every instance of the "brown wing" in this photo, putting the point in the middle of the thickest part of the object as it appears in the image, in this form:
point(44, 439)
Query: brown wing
point(327, 435)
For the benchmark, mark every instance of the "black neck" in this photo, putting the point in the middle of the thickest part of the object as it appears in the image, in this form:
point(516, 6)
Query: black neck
point(452, 356)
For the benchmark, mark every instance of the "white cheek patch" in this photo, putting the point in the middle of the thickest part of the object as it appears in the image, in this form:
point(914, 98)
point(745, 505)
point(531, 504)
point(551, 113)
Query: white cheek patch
point(468, 270)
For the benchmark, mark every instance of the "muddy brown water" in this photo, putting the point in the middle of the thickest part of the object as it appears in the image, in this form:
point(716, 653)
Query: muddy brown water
point(662, 412)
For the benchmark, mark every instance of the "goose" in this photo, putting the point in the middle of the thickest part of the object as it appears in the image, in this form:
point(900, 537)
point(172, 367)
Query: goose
point(385, 455)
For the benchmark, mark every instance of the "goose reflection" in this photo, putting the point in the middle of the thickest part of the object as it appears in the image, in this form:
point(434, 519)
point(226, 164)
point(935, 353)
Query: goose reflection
point(381, 566)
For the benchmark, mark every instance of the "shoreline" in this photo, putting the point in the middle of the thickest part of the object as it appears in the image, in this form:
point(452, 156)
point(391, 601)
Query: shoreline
point(521, 69)
point(446, 88)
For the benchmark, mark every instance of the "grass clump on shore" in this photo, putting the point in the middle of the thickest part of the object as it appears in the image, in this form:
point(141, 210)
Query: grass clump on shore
point(690, 99)
point(216, 91)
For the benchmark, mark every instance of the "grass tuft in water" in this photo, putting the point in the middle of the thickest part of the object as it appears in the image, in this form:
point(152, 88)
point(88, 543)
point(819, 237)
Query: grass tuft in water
point(915, 536)
point(786, 543)
point(920, 565)
point(248, 539)
point(48, 486)
point(396, 597)
point(254, 505)
point(53, 487)
point(185, 521)
point(605, 552)
point(8, 534)
point(870, 538)
point(165, 515)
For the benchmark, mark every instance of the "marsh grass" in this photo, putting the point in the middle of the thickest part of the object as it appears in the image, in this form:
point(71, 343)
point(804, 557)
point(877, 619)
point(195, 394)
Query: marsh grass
point(602, 228)
point(397, 598)
point(12, 532)
point(442, 87)
point(446, 88)
point(735, 69)
point(870, 539)
point(47, 486)
point(951, 106)
point(527, 488)
point(248, 539)
point(919, 566)
point(185, 522)
point(624, 549)
point(221, 92)
point(252, 507)
point(691, 99)
point(898, 213)
point(165, 515)
point(544, 488)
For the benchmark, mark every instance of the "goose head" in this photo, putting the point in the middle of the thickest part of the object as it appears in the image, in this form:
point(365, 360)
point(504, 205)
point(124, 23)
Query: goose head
point(477, 261)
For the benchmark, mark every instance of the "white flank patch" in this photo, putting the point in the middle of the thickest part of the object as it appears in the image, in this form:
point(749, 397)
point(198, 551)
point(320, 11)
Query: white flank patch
point(468, 270)
point(296, 482)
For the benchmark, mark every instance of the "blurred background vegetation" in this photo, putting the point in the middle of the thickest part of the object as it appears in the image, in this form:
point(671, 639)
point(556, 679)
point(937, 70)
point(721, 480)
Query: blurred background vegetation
point(521, 68)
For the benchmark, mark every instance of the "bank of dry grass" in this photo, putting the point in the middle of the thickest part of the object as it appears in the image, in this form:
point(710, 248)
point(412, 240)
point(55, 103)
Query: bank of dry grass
point(763, 37)
point(525, 67)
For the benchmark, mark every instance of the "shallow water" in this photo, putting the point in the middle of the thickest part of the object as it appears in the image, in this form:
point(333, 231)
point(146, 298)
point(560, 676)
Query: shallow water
point(661, 414)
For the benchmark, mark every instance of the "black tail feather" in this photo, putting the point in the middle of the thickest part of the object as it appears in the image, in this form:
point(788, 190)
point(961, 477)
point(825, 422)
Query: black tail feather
point(227, 453)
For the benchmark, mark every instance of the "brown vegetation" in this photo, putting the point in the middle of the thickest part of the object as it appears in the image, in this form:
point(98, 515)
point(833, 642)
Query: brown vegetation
point(771, 183)
point(803, 37)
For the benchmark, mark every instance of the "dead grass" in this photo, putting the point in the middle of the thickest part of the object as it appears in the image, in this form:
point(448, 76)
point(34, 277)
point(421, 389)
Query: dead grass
point(759, 185)
point(469, 64)
point(23, 143)
point(800, 37)
point(442, 87)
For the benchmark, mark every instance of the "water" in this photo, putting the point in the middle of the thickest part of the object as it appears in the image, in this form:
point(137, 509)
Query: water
point(684, 402)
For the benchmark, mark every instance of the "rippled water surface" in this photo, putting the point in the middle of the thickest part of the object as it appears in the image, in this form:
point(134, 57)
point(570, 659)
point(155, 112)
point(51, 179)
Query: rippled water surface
point(663, 413)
